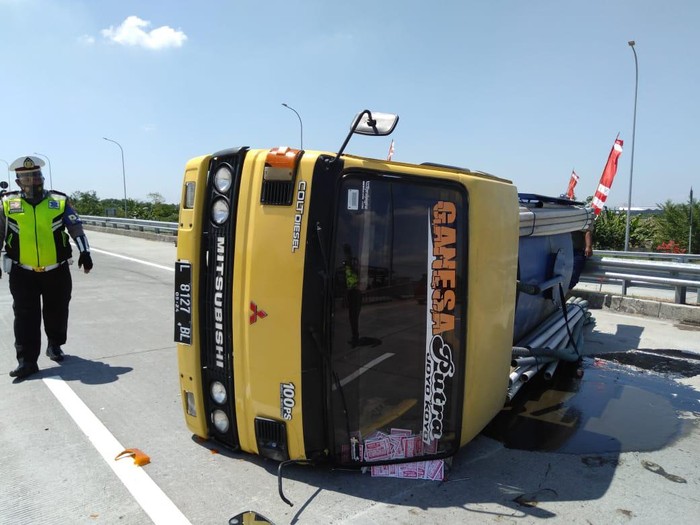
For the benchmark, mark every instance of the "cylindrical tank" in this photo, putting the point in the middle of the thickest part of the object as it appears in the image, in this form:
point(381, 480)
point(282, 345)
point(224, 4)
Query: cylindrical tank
point(545, 256)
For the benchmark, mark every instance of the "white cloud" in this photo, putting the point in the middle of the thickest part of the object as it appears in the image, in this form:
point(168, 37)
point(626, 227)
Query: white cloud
point(86, 40)
point(134, 32)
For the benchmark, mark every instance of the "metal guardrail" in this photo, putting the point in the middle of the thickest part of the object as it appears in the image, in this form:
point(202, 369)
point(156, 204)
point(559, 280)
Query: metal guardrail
point(676, 271)
point(160, 227)
point(667, 270)
point(651, 256)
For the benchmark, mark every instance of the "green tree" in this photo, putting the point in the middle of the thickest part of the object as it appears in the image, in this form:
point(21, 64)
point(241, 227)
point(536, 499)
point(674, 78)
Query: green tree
point(649, 232)
point(610, 230)
point(87, 203)
point(160, 211)
point(156, 198)
point(156, 209)
point(643, 232)
point(673, 224)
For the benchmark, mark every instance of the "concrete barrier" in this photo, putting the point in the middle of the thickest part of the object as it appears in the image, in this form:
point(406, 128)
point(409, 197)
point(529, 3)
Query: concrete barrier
point(682, 313)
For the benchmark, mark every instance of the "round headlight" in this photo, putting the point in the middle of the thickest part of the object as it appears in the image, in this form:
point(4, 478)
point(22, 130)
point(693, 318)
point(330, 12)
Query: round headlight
point(218, 392)
point(222, 179)
point(220, 420)
point(219, 211)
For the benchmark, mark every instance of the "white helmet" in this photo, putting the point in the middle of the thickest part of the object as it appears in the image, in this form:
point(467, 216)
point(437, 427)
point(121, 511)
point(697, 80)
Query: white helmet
point(29, 176)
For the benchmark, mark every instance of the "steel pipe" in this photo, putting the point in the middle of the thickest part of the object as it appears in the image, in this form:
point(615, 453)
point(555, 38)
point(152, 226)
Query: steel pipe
point(553, 329)
point(550, 369)
point(513, 390)
point(514, 376)
point(528, 361)
point(519, 351)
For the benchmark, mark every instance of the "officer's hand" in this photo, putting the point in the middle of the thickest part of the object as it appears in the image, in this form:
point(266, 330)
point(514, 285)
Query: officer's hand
point(85, 262)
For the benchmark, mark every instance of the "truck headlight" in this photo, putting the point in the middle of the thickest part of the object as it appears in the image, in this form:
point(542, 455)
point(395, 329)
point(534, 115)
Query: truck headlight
point(220, 420)
point(218, 392)
point(219, 211)
point(222, 179)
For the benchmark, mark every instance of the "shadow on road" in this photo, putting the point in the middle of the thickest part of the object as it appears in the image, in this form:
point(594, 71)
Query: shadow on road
point(559, 441)
point(74, 368)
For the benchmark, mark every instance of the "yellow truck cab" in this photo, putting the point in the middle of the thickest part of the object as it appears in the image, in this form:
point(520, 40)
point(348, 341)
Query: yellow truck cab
point(330, 307)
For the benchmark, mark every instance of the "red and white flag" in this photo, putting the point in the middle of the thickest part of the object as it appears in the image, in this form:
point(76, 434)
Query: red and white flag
point(606, 179)
point(391, 151)
point(572, 184)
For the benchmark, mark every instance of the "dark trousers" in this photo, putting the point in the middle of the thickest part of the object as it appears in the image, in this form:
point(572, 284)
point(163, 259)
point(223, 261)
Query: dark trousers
point(29, 290)
point(579, 264)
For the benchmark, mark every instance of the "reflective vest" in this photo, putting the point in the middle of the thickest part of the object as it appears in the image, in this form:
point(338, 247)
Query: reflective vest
point(35, 234)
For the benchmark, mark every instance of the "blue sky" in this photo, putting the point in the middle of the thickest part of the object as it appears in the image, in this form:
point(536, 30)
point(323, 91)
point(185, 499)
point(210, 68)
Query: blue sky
point(526, 90)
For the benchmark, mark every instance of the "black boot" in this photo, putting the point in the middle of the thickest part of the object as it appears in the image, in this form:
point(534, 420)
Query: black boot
point(25, 370)
point(54, 352)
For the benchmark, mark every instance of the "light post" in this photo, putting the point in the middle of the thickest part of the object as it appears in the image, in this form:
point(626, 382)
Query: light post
point(123, 172)
point(49, 161)
point(690, 224)
point(301, 126)
point(8, 170)
point(634, 126)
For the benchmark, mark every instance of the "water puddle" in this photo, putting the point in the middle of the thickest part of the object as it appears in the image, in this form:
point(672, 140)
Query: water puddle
point(675, 362)
point(611, 409)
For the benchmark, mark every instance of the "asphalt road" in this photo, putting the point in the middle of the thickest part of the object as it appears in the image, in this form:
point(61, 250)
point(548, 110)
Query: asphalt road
point(621, 444)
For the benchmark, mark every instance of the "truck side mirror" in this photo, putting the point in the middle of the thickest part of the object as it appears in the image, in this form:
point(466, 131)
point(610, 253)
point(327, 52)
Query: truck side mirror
point(368, 123)
point(378, 124)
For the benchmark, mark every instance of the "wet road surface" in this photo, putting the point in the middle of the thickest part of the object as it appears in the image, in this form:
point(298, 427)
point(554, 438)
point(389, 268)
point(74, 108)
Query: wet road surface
point(612, 408)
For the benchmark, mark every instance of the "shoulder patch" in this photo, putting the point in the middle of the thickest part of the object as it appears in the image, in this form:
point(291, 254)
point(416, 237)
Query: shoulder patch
point(15, 206)
point(54, 205)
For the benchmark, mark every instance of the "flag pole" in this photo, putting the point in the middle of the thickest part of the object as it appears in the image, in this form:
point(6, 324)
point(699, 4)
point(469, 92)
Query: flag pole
point(634, 129)
point(690, 228)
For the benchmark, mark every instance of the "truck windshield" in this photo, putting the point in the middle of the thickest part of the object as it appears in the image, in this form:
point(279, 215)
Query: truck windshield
point(398, 327)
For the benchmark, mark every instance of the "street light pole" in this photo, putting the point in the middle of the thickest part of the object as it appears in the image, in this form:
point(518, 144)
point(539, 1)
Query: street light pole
point(50, 176)
point(301, 126)
point(8, 170)
point(123, 171)
point(690, 225)
point(634, 126)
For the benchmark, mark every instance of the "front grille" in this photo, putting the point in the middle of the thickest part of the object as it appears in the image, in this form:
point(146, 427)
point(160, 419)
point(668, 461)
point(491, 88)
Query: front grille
point(268, 429)
point(277, 192)
point(271, 438)
point(216, 299)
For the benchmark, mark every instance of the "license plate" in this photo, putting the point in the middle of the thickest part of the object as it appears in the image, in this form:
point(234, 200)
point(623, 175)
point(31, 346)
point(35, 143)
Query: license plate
point(183, 302)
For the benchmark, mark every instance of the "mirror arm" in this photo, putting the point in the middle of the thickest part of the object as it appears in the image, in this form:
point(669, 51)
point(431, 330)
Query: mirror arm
point(371, 122)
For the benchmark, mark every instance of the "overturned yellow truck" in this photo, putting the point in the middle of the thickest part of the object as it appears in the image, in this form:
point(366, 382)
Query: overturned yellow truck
point(323, 300)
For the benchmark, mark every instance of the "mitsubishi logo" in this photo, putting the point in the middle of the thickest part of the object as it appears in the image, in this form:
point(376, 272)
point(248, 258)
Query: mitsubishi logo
point(255, 313)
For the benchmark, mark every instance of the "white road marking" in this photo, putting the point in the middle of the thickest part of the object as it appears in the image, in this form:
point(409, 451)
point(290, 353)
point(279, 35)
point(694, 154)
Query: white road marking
point(357, 373)
point(144, 490)
point(169, 268)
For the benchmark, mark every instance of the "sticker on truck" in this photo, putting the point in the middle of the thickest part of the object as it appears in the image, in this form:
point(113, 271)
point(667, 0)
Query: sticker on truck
point(287, 400)
point(441, 290)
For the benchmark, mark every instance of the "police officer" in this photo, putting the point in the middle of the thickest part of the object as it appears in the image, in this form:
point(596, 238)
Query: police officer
point(33, 224)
